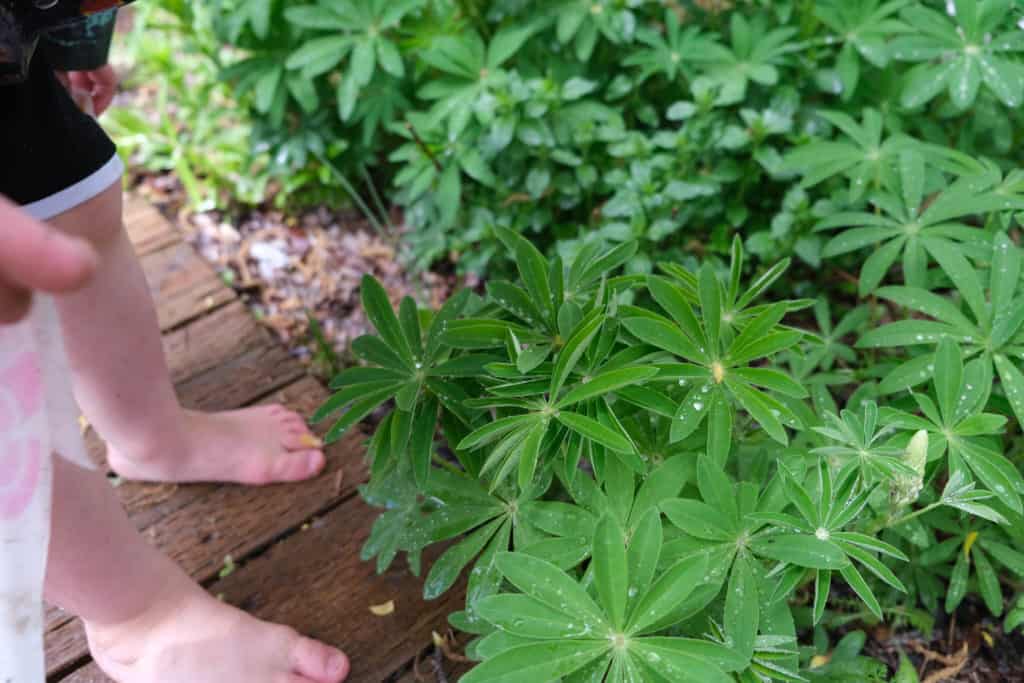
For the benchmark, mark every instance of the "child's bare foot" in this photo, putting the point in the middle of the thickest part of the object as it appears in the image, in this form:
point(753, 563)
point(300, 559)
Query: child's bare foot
point(261, 445)
point(197, 639)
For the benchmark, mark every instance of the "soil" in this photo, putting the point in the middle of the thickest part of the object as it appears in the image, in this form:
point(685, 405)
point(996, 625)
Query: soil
point(291, 268)
point(969, 647)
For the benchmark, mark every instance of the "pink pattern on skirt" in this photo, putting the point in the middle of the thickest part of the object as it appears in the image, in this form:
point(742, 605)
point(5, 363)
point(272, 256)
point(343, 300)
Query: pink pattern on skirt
point(21, 458)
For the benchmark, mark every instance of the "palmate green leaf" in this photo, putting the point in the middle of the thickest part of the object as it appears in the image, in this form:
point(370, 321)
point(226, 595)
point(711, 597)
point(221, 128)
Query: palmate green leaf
point(529, 454)
point(659, 332)
point(1012, 380)
point(484, 333)
point(671, 298)
point(988, 582)
point(421, 444)
point(365, 375)
point(710, 293)
point(722, 656)
point(996, 472)
point(374, 350)
point(549, 585)
point(348, 394)
point(981, 424)
point(662, 483)
point(597, 432)
point(948, 377)
point(643, 554)
point(574, 349)
point(908, 333)
point(516, 301)
point(665, 595)
point(870, 543)
point(676, 664)
point(854, 579)
point(822, 588)
point(917, 299)
point(763, 409)
point(450, 311)
point(714, 485)
point(958, 582)
point(877, 265)
point(801, 550)
point(775, 380)
point(564, 553)
point(611, 577)
point(720, 429)
point(449, 566)
point(544, 661)
point(800, 498)
point(560, 519)
point(951, 259)
point(1005, 272)
point(768, 345)
point(1004, 555)
point(525, 617)
point(505, 455)
point(649, 399)
point(757, 328)
point(470, 365)
point(873, 565)
point(357, 411)
point(378, 310)
point(495, 430)
point(742, 608)
point(604, 383)
point(533, 269)
point(697, 519)
point(690, 412)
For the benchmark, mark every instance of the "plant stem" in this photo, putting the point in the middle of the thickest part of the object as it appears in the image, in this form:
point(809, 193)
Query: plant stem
point(910, 516)
point(354, 195)
point(438, 460)
point(423, 146)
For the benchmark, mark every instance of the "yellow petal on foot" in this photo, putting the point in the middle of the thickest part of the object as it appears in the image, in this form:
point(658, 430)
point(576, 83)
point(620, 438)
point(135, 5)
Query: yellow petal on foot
point(311, 441)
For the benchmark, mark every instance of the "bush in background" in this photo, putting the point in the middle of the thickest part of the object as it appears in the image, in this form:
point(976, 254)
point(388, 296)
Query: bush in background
point(675, 124)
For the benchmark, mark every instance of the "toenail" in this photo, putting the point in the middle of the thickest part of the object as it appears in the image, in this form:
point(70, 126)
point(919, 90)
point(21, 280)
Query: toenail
point(311, 441)
point(337, 663)
point(315, 459)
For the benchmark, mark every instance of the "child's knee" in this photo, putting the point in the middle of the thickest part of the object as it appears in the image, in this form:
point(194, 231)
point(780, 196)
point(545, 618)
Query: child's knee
point(97, 220)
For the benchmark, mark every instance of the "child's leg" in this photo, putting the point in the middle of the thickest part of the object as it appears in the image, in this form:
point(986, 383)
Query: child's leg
point(123, 385)
point(146, 621)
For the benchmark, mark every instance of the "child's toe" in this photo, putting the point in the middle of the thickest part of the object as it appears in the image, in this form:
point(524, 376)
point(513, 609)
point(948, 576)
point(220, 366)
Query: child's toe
point(319, 662)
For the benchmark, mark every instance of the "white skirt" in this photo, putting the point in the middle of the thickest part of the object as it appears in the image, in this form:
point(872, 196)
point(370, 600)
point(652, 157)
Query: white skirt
point(38, 417)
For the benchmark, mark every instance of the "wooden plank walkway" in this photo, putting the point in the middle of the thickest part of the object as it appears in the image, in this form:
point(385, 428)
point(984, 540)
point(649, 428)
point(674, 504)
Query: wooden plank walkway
point(297, 546)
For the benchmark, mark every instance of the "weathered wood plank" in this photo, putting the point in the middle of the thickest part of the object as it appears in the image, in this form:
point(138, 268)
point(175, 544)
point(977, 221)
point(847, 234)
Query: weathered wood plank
point(315, 582)
point(148, 229)
point(212, 341)
point(198, 526)
point(241, 380)
point(183, 286)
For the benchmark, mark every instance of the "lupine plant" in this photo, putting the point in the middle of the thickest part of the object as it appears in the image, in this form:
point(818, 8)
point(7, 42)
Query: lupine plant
point(643, 475)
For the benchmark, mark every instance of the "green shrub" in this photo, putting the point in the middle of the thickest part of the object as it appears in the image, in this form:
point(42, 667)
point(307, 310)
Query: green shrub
point(185, 119)
point(644, 472)
point(671, 124)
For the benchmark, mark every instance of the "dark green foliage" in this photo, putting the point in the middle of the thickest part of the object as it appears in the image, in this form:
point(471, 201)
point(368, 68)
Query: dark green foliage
point(646, 470)
point(667, 124)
